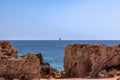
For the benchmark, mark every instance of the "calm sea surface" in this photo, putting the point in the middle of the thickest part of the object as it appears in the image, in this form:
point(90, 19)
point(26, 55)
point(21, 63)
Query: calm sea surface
point(52, 50)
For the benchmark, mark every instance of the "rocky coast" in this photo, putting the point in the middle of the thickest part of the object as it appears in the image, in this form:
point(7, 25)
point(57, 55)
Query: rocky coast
point(27, 67)
point(86, 61)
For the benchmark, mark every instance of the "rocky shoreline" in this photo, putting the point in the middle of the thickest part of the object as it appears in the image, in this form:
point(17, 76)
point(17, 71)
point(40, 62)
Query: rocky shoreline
point(25, 67)
point(80, 61)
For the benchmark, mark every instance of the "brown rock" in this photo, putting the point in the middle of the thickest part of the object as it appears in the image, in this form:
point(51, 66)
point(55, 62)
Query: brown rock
point(40, 58)
point(13, 67)
point(15, 79)
point(5, 44)
point(6, 49)
point(46, 71)
point(1, 51)
point(10, 52)
point(118, 78)
point(84, 60)
point(62, 74)
point(22, 68)
point(1, 78)
point(102, 74)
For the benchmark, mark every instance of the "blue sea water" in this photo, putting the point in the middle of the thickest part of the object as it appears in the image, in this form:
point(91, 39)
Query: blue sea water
point(52, 50)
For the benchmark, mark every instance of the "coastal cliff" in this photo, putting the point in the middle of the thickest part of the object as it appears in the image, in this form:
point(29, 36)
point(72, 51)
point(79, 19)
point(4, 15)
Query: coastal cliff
point(91, 60)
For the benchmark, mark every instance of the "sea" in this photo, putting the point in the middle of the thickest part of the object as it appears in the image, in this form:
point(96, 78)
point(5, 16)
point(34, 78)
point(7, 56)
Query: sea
point(53, 50)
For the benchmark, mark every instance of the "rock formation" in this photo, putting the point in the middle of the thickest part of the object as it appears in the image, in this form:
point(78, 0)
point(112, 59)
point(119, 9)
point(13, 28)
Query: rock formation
point(22, 68)
point(6, 49)
point(46, 70)
point(12, 66)
point(81, 60)
point(88, 60)
point(25, 67)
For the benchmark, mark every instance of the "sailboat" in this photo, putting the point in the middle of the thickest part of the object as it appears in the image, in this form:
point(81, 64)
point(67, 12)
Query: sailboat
point(59, 39)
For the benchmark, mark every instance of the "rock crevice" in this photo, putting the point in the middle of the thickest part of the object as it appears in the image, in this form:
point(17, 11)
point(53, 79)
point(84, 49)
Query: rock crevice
point(87, 60)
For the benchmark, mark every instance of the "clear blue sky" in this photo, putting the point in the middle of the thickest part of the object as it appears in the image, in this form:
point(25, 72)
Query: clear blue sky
point(51, 19)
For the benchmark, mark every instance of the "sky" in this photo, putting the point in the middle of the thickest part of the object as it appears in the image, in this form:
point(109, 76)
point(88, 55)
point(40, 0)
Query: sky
point(51, 19)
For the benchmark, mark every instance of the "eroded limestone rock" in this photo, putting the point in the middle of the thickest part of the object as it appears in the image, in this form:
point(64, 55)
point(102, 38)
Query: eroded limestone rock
point(87, 60)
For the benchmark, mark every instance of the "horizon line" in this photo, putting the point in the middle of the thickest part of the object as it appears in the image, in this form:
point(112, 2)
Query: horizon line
point(51, 39)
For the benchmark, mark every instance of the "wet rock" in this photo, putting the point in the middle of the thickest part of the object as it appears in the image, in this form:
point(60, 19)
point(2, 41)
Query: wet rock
point(84, 60)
